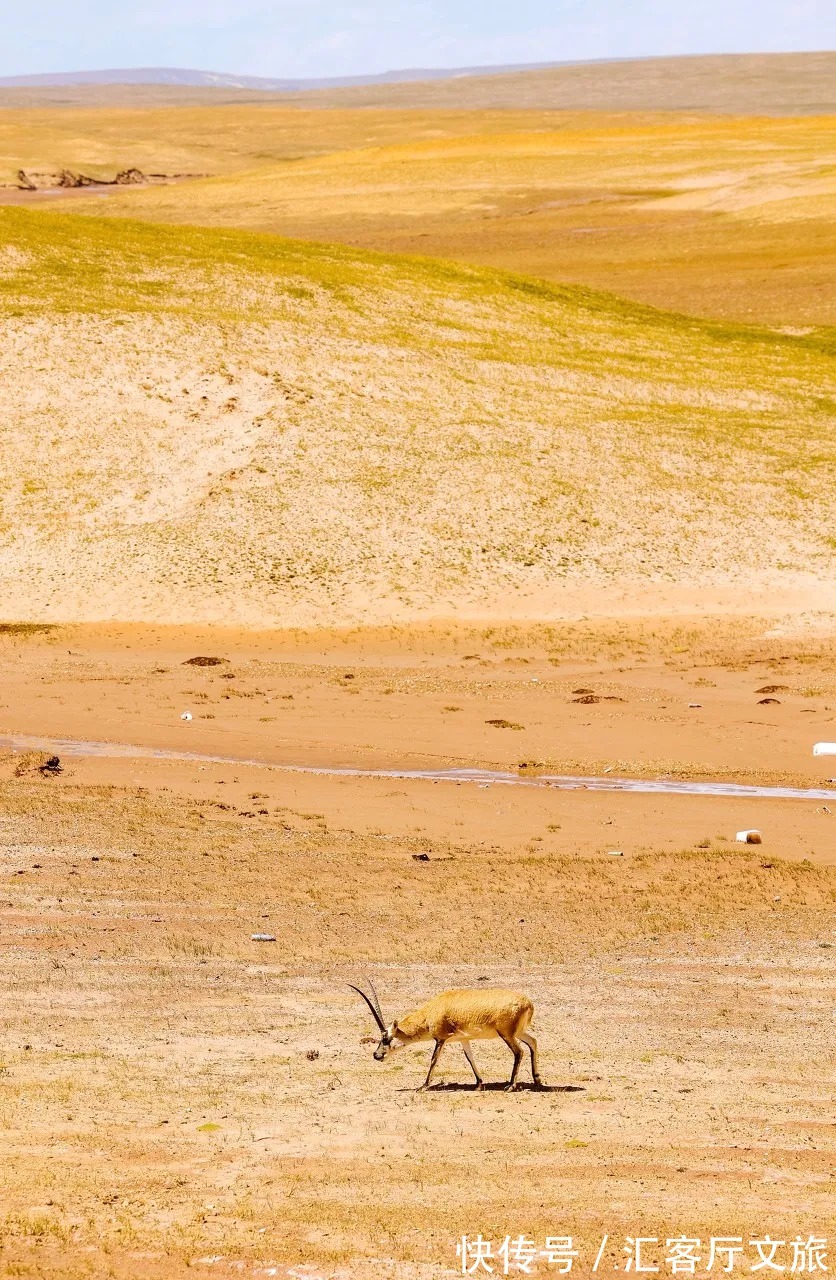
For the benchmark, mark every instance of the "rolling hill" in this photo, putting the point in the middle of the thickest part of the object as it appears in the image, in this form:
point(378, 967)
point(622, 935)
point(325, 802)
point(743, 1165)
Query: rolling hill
point(737, 84)
point(222, 80)
point(711, 216)
point(214, 425)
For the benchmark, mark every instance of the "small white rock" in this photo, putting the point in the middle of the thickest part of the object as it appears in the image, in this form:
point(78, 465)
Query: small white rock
point(185, 715)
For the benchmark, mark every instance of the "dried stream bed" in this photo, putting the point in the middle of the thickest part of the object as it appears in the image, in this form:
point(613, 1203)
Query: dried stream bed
point(485, 777)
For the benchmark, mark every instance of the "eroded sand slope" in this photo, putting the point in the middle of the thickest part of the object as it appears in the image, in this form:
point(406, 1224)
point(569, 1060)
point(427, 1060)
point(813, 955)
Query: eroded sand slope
point(217, 426)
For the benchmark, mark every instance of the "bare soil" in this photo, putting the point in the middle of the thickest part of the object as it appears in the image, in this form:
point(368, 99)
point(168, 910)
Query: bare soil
point(178, 1099)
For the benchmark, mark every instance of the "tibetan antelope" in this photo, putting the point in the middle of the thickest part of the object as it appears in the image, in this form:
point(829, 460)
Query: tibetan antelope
point(461, 1016)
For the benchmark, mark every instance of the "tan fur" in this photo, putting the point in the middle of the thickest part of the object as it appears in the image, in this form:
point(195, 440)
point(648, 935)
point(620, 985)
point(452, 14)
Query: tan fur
point(472, 1015)
point(463, 1015)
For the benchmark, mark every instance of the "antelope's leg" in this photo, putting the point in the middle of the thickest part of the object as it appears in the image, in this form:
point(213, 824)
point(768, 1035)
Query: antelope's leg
point(468, 1053)
point(439, 1045)
point(516, 1049)
point(528, 1038)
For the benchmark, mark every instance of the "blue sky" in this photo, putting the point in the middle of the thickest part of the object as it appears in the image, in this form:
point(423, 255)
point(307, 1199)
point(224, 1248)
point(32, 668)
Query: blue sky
point(325, 37)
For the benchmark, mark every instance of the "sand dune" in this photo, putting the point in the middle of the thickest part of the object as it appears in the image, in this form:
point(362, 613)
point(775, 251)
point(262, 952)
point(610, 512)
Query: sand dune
point(221, 427)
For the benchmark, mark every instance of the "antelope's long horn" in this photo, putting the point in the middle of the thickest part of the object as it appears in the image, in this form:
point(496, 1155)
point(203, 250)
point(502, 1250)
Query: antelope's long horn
point(375, 998)
point(374, 1012)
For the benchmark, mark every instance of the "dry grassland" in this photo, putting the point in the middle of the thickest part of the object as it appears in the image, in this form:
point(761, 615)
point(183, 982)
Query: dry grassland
point(581, 535)
point(712, 216)
point(732, 84)
point(222, 138)
point(224, 427)
point(177, 1099)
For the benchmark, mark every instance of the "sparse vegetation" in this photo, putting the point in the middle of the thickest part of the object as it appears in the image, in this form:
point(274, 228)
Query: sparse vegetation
point(319, 458)
point(656, 412)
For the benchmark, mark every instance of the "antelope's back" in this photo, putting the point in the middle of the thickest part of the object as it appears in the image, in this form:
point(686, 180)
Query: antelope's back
point(484, 1006)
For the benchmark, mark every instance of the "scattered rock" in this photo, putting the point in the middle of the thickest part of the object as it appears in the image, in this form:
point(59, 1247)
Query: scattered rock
point(769, 702)
point(312, 1055)
point(773, 688)
point(262, 937)
point(504, 724)
point(749, 837)
point(51, 767)
point(67, 178)
point(420, 857)
point(587, 698)
point(583, 690)
point(53, 179)
point(130, 178)
point(202, 661)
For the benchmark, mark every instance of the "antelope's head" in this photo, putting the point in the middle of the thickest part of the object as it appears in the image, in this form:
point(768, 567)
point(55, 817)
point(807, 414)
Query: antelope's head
point(390, 1038)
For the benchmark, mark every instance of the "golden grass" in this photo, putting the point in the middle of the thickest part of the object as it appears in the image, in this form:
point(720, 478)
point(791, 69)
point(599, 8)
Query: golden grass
point(209, 424)
point(478, 435)
point(694, 213)
point(222, 138)
point(714, 217)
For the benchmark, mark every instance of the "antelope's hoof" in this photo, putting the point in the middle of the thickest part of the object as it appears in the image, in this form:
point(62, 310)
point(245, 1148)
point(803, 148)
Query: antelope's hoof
point(479, 1087)
point(511, 1088)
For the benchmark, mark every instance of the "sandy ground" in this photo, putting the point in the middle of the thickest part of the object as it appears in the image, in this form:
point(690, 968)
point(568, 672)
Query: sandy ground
point(176, 1098)
point(209, 425)
point(360, 440)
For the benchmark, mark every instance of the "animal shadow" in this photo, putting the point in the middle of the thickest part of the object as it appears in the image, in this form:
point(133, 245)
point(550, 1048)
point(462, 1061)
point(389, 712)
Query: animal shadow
point(499, 1086)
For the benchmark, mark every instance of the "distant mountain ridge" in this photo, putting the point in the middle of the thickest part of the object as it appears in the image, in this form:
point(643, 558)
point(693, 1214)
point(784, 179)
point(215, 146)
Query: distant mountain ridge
point(730, 83)
point(217, 79)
